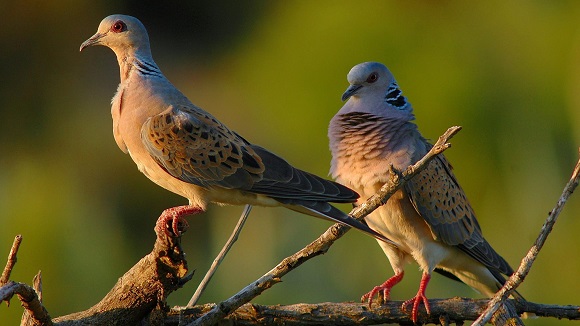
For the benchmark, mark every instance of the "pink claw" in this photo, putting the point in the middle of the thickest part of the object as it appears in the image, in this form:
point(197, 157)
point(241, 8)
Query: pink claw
point(420, 297)
point(175, 215)
point(385, 287)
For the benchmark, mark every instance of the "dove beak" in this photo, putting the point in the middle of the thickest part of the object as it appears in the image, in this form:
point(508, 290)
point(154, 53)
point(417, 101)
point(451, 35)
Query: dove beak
point(94, 40)
point(350, 91)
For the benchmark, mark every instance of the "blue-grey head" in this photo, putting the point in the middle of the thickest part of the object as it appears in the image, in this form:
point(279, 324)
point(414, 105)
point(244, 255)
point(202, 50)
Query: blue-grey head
point(373, 89)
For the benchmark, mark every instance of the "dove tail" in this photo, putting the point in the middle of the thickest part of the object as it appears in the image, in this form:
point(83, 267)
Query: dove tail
point(326, 211)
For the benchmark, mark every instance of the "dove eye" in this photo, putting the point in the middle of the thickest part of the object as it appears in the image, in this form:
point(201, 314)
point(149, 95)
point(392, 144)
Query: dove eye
point(373, 77)
point(118, 27)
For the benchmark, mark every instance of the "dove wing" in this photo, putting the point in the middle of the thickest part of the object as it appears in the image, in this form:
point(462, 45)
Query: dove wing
point(440, 200)
point(195, 147)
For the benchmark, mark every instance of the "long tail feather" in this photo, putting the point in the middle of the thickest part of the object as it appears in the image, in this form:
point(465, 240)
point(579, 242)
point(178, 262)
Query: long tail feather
point(326, 211)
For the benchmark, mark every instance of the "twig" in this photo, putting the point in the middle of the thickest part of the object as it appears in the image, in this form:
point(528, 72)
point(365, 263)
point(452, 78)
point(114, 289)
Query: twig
point(220, 257)
point(37, 285)
point(11, 260)
point(27, 316)
point(518, 277)
point(323, 243)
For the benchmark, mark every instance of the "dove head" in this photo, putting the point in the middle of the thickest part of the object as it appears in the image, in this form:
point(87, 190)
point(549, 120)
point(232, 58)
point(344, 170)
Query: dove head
point(125, 35)
point(373, 89)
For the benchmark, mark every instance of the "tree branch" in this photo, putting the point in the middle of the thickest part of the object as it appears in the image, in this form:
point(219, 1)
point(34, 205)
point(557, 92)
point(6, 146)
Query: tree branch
point(323, 243)
point(518, 277)
point(453, 310)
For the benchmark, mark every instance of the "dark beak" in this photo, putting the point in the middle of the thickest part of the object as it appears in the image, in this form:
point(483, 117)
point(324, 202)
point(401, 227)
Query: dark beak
point(94, 40)
point(350, 91)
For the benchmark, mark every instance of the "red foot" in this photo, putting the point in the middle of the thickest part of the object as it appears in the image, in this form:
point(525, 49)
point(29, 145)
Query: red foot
point(420, 297)
point(175, 216)
point(385, 287)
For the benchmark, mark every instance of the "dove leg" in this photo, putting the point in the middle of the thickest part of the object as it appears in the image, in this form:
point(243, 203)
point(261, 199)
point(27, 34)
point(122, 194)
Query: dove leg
point(420, 297)
point(385, 287)
point(397, 258)
point(176, 215)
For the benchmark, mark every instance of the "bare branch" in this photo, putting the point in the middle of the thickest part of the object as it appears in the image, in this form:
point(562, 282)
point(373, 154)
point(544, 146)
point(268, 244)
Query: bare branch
point(323, 243)
point(29, 301)
point(453, 310)
point(11, 260)
point(518, 277)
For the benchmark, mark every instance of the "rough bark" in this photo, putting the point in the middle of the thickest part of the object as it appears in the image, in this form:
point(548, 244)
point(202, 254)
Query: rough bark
point(454, 310)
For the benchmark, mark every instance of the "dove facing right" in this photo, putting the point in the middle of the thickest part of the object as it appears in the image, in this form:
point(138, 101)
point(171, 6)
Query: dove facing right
point(430, 218)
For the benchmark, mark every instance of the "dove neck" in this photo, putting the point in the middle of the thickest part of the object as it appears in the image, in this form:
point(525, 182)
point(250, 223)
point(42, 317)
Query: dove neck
point(140, 62)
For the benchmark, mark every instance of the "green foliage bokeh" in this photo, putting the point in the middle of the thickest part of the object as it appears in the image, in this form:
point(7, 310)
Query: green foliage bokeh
point(508, 72)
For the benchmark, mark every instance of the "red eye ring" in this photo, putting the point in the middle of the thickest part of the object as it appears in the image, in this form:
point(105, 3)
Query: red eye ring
point(373, 77)
point(118, 27)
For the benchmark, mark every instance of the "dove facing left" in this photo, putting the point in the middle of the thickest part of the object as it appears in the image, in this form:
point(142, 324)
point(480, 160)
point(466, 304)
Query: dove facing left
point(186, 150)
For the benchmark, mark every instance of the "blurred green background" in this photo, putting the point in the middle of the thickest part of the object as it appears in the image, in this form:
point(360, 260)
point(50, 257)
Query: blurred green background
point(508, 72)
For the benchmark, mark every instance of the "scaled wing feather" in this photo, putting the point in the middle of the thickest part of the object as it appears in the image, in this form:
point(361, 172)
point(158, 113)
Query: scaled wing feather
point(439, 199)
point(195, 147)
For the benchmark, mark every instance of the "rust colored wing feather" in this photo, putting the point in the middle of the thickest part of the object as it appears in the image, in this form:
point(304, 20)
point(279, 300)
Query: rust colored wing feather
point(440, 200)
point(195, 147)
